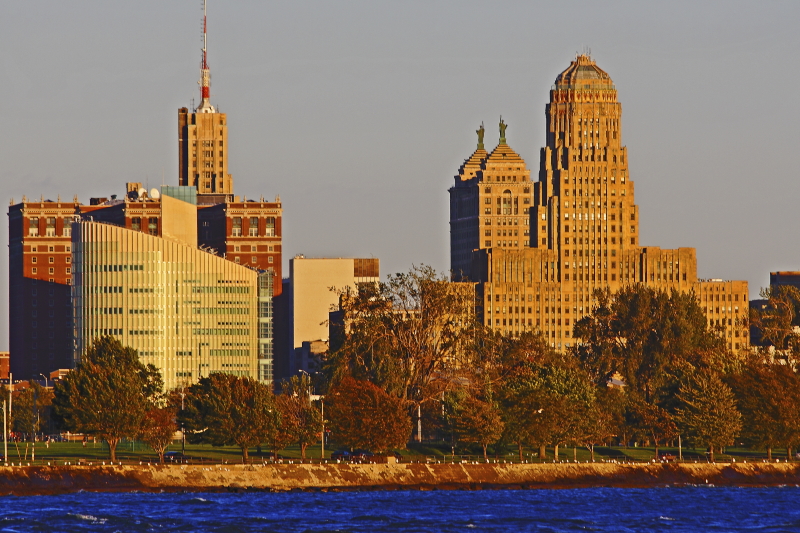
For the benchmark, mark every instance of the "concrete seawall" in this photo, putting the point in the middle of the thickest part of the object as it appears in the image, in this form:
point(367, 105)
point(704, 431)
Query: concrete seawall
point(284, 477)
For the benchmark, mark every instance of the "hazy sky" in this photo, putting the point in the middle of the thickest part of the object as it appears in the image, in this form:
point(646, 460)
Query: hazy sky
point(358, 114)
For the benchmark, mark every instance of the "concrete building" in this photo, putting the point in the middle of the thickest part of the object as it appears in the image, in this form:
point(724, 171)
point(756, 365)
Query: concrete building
point(537, 251)
point(310, 299)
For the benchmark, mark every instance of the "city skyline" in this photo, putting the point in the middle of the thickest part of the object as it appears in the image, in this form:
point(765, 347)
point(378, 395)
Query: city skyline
point(350, 107)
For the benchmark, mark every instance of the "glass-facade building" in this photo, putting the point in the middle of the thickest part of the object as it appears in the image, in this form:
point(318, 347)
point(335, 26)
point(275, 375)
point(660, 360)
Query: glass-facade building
point(187, 311)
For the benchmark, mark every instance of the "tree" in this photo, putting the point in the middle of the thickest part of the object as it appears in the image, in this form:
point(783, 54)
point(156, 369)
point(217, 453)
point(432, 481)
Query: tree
point(283, 434)
point(302, 419)
point(362, 415)
point(405, 335)
point(768, 396)
point(107, 394)
point(480, 422)
point(654, 422)
point(708, 413)
point(223, 410)
point(641, 332)
point(158, 429)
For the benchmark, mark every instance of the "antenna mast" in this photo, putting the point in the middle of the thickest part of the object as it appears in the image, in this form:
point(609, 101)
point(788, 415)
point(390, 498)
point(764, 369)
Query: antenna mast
point(205, 73)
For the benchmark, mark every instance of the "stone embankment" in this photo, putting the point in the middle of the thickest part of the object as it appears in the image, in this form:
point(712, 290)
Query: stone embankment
point(285, 477)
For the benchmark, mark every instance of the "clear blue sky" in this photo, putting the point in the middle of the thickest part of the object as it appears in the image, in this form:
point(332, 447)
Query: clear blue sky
point(358, 114)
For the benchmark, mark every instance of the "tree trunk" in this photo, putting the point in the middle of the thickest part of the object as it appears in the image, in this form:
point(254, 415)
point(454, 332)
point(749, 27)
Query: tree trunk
point(303, 446)
point(656, 443)
point(485, 457)
point(555, 452)
point(519, 447)
point(591, 451)
point(245, 457)
point(161, 457)
point(542, 452)
point(789, 453)
point(575, 453)
point(769, 453)
point(112, 448)
point(711, 453)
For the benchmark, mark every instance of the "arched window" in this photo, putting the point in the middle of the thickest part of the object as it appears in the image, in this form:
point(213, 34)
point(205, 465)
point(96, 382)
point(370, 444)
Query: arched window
point(507, 202)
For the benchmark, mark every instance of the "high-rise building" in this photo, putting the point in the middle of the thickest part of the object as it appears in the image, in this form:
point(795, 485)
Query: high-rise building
point(203, 139)
point(539, 250)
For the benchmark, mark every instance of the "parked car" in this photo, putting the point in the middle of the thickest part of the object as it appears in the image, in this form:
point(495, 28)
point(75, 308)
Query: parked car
point(341, 455)
point(175, 457)
point(361, 455)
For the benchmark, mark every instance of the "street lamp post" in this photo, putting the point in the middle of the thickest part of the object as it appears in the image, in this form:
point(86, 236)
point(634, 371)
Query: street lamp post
point(45, 380)
point(183, 429)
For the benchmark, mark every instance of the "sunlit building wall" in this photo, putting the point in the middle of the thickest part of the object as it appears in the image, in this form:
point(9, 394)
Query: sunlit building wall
point(187, 311)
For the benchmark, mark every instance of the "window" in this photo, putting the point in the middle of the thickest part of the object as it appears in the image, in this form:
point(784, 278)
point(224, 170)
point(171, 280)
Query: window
point(254, 259)
point(67, 231)
point(51, 270)
point(69, 260)
point(253, 232)
point(50, 230)
point(152, 226)
point(506, 202)
point(270, 227)
point(237, 226)
point(270, 259)
point(33, 260)
point(33, 270)
point(51, 260)
point(33, 227)
point(136, 223)
point(236, 259)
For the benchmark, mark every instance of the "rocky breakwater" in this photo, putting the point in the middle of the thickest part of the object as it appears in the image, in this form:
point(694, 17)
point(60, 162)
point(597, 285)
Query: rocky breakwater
point(285, 477)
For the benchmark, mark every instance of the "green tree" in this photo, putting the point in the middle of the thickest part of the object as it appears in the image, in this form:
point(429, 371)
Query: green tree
point(224, 410)
point(480, 422)
point(653, 422)
point(107, 394)
point(641, 332)
point(707, 412)
point(362, 415)
point(158, 429)
point(301, 417)
point(768, 396)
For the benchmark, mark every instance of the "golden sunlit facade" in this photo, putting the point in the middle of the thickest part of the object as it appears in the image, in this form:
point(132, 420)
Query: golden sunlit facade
point(539, 250)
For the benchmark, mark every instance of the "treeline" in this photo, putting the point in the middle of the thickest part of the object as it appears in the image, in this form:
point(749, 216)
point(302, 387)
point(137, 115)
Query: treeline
point(410, 361)
point(648, 368)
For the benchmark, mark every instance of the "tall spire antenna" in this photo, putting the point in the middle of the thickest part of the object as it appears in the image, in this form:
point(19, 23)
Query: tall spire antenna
point(205, 73)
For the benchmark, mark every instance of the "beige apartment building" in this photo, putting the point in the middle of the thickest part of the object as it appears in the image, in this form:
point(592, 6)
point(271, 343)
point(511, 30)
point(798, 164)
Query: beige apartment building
point(538, 251)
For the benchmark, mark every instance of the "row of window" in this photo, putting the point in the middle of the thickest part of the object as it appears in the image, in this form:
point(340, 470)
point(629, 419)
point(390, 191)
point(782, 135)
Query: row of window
point(51, 270)
point(67, 259)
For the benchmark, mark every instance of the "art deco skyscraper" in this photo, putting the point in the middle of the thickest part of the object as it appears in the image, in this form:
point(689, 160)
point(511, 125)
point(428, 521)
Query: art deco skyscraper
point(583, 223)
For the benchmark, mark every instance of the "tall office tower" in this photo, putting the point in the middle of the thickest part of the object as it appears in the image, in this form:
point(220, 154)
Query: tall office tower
point(583, 222)
point(203, 139)
point(39, 275)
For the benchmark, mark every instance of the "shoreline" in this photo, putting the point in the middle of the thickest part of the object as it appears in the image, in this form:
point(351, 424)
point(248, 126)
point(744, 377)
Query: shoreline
point(43, 480)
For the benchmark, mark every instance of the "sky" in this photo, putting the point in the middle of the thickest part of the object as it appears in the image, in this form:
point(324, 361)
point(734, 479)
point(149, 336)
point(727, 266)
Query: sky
point(359, 113)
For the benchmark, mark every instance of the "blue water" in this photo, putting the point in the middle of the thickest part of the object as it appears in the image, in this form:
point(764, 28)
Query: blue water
point(619, 510)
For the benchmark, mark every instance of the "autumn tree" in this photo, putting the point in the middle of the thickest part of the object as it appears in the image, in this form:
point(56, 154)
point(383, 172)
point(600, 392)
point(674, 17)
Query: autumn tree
point(707, 412)
point(301, 417)
point(653, 422)
point(224, 410)
point(405, 335)
point(108, 393)
point(158, 429)
point(478, 421)
point(362, 415)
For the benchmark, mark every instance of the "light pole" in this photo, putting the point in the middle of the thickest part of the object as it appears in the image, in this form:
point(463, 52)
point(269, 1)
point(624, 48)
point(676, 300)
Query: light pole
point(45, 380)
point(183, 429)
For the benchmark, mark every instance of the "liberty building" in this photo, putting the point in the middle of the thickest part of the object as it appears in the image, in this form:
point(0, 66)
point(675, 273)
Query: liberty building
point(538, 250)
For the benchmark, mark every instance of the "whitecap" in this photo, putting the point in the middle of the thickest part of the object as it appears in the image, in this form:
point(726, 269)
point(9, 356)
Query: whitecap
point(665, 518)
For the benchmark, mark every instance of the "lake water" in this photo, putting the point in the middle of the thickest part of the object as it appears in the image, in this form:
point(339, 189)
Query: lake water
point(620, 510)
